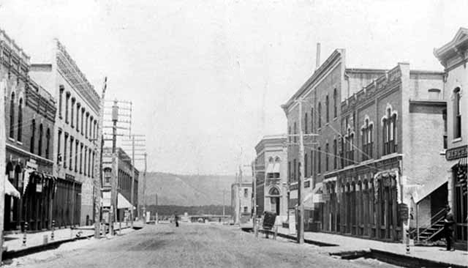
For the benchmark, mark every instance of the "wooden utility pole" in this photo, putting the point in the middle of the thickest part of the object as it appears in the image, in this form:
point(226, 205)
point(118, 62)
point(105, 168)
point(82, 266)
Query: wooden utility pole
point(133, 179)
point(144, 196)
point(114, 174)
point(2, 163)
point(97, 167)
point(300, 232)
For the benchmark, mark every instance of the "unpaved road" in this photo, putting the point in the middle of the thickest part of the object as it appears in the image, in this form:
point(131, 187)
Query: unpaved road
point(191, 245)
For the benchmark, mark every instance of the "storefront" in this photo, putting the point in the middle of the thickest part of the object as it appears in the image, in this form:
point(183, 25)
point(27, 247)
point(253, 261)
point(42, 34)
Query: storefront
point(459, 193)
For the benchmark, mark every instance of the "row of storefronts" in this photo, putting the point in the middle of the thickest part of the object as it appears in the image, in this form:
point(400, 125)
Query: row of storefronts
point(384, 150)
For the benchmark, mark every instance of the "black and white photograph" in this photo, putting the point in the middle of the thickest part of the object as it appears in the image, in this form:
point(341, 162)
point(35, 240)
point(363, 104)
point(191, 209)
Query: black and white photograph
point(233, 133)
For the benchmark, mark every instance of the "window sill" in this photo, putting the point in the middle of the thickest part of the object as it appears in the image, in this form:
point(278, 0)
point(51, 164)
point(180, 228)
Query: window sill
point(457, 140)
point(11, 139)
point(19, 142)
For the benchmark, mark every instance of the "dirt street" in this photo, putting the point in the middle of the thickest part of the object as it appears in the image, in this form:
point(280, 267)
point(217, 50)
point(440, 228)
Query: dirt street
point(190, 245)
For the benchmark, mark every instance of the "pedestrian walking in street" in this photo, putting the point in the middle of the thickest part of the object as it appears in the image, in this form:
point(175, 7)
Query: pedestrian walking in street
point(176, 219)
point(448, 229)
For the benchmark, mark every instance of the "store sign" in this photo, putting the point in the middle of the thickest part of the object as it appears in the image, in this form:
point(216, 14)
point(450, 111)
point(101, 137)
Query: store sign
point(456, 153)
point(403, 211)
point(39, 188)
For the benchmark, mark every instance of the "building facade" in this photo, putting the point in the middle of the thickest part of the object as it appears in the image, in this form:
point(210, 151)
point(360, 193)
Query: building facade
point(319, 100)
point(392, 136)
point(271, 191)
point(454, 57)
point(29, 117)
point(124, 183)
point(241, 201)
point(74, 136)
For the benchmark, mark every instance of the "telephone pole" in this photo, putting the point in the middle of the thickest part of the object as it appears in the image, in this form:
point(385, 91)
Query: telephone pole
point(114, 176)
point(97, 167)
point(300, 232)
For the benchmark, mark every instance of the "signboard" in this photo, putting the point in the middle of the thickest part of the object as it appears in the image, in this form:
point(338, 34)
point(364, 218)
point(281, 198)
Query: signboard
point(269, 220)
point(403, 211)
point(456, 153)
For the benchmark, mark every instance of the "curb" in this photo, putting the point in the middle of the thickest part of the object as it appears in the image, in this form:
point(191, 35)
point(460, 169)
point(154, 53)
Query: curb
point(10, 254)
point(384, 256)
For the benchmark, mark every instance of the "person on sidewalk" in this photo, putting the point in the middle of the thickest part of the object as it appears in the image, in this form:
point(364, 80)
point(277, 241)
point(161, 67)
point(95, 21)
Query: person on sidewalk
point(448, 229)
point(176, 219)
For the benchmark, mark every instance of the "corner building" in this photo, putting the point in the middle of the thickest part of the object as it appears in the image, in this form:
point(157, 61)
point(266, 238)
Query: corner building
point(29, 124)
point(271, 179)
point(454, 57)
point(74, 136)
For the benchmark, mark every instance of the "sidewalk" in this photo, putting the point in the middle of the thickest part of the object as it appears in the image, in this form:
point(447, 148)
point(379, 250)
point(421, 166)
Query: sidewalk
point(348, 243)
point(39, 241)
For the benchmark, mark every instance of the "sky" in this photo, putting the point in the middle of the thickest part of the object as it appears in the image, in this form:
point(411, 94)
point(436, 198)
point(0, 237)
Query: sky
point(207, 78)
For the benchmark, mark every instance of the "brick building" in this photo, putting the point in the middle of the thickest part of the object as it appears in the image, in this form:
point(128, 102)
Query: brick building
point(320, 97)
point(124, 183)
point(271, 176)
point(29, 117)
point(454, 57)
point(392, 133)
point(74, 136)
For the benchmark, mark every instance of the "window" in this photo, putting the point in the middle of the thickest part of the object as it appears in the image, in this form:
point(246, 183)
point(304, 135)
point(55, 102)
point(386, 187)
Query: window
point(47, 149)
point(367, 140)
point(89, 162)
point(77, 149)
point(349, 148)
point(328, 109)
point(305, 165)
point(12, 115)
point(444, 117)
point(65, 144)
point(72, 119)
point(82, 119)
point(289, 132)
point(81, 159)
point(319, 159)
point(85, 160)
point(312, 171)
point(389, 133)
point(59, 139)
point(457, 120)
point(41, 133)
point(327, 153)
point(20, 120)
point(78, 106)
point(33, 135)
point(246, 193)
point(319, 115)
point(67, 98)
point(245, 210)
point(335, 103)
point(86, 127)
point(311, 120)
point(306, 130)
point(61, 89)
point(71, 152)
point(289, 171)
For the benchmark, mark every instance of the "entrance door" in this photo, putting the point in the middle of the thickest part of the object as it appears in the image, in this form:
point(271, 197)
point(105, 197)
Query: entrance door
point(275, 205)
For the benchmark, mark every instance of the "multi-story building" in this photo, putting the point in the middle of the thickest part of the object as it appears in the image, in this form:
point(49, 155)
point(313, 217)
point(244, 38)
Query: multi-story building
point(241, 201)
point(392, 133)
point(74, 136)
point(319, 99)
point(454, 57)
point(271, 191)
point(124, 182)
point(29, 123)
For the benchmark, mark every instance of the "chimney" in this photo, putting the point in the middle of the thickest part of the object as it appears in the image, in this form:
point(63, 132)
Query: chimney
point(317, 58)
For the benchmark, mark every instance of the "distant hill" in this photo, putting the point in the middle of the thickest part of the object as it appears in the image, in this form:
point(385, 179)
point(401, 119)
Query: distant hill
point(187, 190)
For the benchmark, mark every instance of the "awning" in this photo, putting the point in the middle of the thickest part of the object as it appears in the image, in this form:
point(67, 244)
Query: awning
point(276, 167)
point(122, 202)
point(11, 190)
point(427, 189)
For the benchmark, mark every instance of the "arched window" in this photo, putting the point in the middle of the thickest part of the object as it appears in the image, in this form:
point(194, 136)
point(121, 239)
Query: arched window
point(41, 133)
point(47, 143)
point(335, 103)
point(274, 191)
point(319, 115)
point(33, 135)
point(327, 106)
point(457, 119)
point(20, 120)
point(12, 115)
